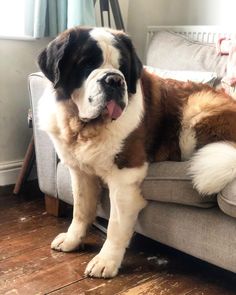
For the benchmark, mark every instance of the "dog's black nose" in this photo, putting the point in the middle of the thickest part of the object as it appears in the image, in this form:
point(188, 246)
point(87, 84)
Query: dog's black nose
point(114, 80)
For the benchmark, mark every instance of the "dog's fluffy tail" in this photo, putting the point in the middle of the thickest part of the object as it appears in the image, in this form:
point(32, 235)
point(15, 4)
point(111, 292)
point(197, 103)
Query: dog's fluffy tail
point(213, 167)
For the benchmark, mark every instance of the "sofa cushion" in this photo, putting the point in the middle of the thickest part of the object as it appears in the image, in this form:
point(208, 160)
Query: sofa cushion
point(165, 182)
point(194, 76)
point(64, 188)
point(171, 51)
point(227, 199)
point(168, 182)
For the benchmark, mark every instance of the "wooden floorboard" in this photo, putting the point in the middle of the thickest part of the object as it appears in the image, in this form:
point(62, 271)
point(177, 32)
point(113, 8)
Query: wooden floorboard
point(28, 265)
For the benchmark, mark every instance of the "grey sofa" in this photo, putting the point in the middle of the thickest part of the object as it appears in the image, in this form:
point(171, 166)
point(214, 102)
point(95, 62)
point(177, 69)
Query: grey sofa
point(176, 215)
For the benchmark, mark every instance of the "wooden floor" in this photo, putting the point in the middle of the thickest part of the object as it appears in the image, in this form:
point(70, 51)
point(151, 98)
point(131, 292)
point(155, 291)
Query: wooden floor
point(28, 265)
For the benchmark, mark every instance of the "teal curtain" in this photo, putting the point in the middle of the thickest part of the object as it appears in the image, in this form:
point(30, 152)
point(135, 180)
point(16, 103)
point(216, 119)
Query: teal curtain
point(49, 17)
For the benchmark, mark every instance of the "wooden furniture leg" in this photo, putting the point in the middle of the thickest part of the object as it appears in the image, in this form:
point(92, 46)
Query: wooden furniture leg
point(26, 167)
point(55, 207)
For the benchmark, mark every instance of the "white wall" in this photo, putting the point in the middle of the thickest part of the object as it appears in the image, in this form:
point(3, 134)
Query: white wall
point(124, 7)
point(142, 13)
point(17, 61)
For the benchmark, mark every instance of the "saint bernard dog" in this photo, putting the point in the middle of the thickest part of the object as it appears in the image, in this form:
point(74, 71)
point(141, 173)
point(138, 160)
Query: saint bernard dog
point(109, 118)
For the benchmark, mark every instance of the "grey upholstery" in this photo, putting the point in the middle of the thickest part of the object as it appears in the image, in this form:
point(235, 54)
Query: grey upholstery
point(171, 51)
point(45, 154)
point(168, 182)
point(227, 199)
point(204, 233)
point(175, 215)
point(64, 184)
point(165, 182)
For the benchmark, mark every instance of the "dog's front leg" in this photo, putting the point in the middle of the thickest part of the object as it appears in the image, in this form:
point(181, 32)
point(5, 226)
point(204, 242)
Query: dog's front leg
point(85, 189)
point(126, 202)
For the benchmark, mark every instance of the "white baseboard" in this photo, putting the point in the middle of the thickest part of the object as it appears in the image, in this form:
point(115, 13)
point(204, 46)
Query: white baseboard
point(9, 172)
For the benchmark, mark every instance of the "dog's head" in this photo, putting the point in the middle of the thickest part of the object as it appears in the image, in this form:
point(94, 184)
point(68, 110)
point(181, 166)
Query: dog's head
point(97, 68)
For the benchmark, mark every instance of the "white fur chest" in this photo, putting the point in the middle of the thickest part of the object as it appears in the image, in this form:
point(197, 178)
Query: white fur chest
point(92, 156)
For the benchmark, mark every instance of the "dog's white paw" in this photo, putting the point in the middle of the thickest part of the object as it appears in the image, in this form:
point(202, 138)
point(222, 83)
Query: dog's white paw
point(102, 267)
point(65, 243)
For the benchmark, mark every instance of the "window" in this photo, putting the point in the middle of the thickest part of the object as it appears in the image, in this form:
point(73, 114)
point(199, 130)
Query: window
point(12, 17)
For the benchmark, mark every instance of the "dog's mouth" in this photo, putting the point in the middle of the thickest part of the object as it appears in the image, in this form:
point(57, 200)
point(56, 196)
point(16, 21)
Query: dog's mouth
point(111, 111)
point(114, 109)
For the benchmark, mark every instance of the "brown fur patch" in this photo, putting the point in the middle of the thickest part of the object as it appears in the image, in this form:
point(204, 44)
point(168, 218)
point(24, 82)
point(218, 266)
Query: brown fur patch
point(212, 114)
point(71, 129)
point(169, 106)
point(215, 128)
point(157, 138)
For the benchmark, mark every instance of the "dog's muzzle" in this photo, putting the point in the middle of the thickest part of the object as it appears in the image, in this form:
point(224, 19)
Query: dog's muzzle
point(113, 85)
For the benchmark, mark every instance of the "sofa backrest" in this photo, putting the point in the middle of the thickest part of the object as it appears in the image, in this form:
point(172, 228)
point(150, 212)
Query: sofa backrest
point(187, 48)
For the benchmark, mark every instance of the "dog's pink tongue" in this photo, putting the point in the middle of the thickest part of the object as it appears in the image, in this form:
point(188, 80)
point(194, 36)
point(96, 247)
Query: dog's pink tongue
point(114, 109)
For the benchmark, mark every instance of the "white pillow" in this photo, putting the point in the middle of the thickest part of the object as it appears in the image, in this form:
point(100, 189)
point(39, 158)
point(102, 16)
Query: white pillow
point(194, 76)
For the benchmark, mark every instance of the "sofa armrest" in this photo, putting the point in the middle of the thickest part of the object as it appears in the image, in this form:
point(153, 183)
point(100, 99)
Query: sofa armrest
point(227, 199)
point(46, 157)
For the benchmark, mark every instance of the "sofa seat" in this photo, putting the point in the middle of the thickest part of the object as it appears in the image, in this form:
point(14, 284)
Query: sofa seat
point(165, 182)
point(168, 182)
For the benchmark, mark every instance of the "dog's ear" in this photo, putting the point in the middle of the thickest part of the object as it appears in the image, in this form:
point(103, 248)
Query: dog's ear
point(131, 66)
point(51, 58)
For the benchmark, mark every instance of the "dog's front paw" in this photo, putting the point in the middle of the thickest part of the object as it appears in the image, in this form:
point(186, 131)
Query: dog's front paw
point(102, 267)
point(65, 242)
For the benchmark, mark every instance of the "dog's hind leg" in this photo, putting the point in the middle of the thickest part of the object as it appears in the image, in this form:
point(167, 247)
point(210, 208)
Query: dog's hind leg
point(86, 190)
point(126, 202)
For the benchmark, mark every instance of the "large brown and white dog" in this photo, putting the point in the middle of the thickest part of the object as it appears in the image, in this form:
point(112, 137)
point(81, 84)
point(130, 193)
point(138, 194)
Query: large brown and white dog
point(108, 118)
